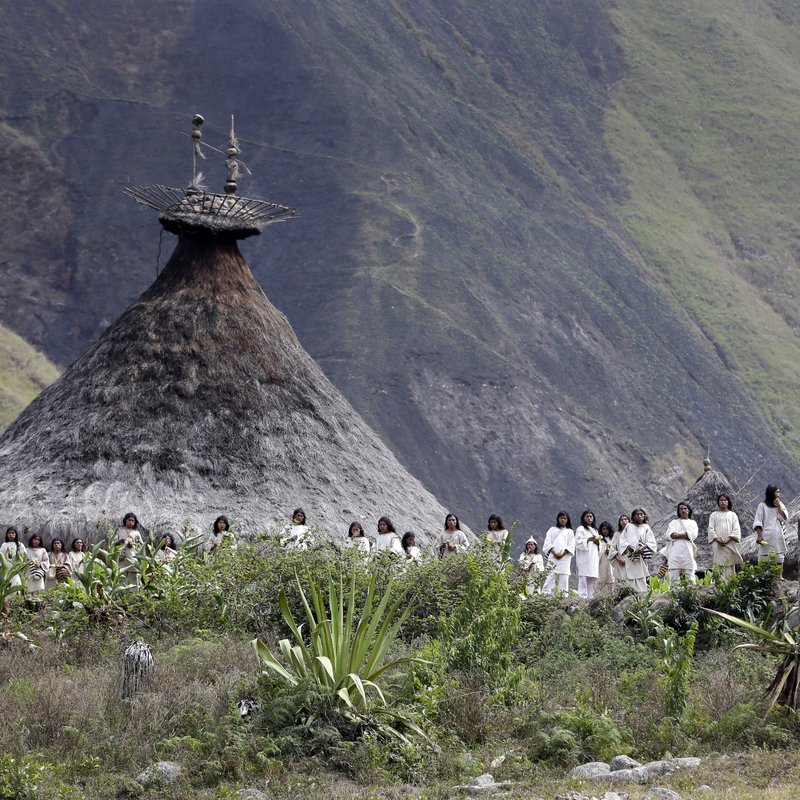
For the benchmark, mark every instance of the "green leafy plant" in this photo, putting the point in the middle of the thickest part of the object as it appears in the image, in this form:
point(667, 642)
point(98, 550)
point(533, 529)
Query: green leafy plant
point(345, 652)
point(677, 666)
point(785, 687)
point(9, 570)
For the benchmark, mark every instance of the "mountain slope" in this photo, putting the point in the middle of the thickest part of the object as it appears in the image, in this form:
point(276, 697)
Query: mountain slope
point(503, 262)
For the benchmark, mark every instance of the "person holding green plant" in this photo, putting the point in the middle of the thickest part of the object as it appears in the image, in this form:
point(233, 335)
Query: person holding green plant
point(637, 543)
point(13, 549)
point(770, 527)
point(681, 550)
point(724, 534)
point(559, 547)
point(454, 540)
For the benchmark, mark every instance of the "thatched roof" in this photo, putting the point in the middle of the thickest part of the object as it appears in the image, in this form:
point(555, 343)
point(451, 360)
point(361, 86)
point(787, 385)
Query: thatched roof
point(198, 401)
point(702, 497)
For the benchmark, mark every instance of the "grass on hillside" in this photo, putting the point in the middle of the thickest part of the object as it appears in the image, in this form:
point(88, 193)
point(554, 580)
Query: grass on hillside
point(24, 372)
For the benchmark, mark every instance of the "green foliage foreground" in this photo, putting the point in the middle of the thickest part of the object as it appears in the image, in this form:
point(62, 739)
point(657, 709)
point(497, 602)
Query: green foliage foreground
point(372, 671)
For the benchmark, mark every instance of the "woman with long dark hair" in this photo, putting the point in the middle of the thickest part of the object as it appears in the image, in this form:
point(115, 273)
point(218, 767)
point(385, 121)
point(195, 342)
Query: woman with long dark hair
point(13, 549)
point(221, 537)
point(496, 533)
point(637, 543)
point(605, 575)
point(129, 536)
point(587, 555)
point(58, 572)
point(295, 534)
point(453, 540)
point(39, 564)
point(357, 539)
point(388, 539)
point(770, 527)
point(75, 557)
point(724, 534)
point(559, 547)
point(409, 545)
point(615, 557)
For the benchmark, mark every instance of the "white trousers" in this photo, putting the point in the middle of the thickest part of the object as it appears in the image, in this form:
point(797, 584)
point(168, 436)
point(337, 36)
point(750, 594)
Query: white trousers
point(586, 587)
point(554, 580)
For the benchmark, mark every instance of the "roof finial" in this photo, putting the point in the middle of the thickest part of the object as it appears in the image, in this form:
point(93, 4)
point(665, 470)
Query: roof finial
point(231, 164)
point(197, 121)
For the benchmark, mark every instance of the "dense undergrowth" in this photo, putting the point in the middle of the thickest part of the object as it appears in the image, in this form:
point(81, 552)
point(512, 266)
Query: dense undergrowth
point(486, 677)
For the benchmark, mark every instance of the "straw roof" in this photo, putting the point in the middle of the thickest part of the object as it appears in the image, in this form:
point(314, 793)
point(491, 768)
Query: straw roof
point(199, 401)
point(702, 497)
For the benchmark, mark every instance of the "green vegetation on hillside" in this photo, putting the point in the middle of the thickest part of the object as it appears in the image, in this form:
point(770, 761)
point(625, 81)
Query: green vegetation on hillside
point(24, 372)
point(704, 126)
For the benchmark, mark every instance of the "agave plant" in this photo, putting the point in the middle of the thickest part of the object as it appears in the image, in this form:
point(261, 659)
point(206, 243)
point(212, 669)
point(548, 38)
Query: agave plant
point(785, 687)
point(345, 650)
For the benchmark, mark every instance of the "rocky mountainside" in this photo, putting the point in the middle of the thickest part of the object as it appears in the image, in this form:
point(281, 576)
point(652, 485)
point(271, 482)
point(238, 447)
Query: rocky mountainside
point(548, 252)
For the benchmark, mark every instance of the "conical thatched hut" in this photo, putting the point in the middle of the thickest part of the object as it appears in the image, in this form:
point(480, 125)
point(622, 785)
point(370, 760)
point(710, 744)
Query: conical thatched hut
point(199, 401)
point(702, 497)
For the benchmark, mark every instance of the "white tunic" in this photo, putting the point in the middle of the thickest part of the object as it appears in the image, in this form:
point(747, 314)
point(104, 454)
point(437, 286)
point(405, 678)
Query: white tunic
point(772, 531)
point(296, 537)
point(555, 540)
point(359, 543)
point(587, 553)
point(389, 542)
point(531, 563)
point(413, 553)
point(457, 539)
point(725, 525)
point(614, 558)
point(497, 538)
point(681, 552)
point(219, 541)
point(636, 536)
point(75, 562)
point(13, 551)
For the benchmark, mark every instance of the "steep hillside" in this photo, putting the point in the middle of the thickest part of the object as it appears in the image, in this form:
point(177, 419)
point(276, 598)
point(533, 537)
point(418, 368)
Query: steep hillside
point(519, 228)
point(24, 372)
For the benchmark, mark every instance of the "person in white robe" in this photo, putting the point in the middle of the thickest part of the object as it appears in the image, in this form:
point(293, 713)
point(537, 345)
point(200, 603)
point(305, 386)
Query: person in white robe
point(615, 556)
point(769, 525)
point(531, 565)
point(38, 564)
point(587, 555)
point(75, 558)
point(388, 540)
point(13, 550)
point(296, 535)
point(605, 574)
point(559, 548)
point(637, 543)
point(357, 539)
point(221, 537)
point(453, 540)
point(167, 552)
point(724, 535)
point(496, 534)
point(410, 548)
point(58, 571)
point(131, 540)
point(681, 551)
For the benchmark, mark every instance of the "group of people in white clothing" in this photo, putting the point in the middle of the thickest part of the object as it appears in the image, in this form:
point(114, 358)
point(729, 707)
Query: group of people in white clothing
point(606, 558)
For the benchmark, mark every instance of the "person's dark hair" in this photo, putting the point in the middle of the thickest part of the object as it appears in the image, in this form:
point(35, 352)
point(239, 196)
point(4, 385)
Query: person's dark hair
point(406, 536)
point(389, 526)
point(12, 529)
point(769, 495)
point(447, 516)
point(72, 545)
point(61, 542)
point(130, 515)
point(607, 525)
point(683, 503)
point(355, 525)
point(728, 497)
point(619, 521)
point(299, 511)
point(498, 520)
point(35, 536)
point(646, 518)
point(169, 541)
point(583, 517)
point(563, 514)
point(217, 522)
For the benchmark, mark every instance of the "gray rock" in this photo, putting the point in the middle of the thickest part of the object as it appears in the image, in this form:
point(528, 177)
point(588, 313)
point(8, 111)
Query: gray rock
point(594, 769)
point(483, 785)
point(614, 796)
point(623, 762)
point(618, 612)
point(250, 794)
point(163, 772)
point(659, 793)
point(659, 767)
point(483, 781)
point(704, 787)
point(687, 763)
point(634, 775)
